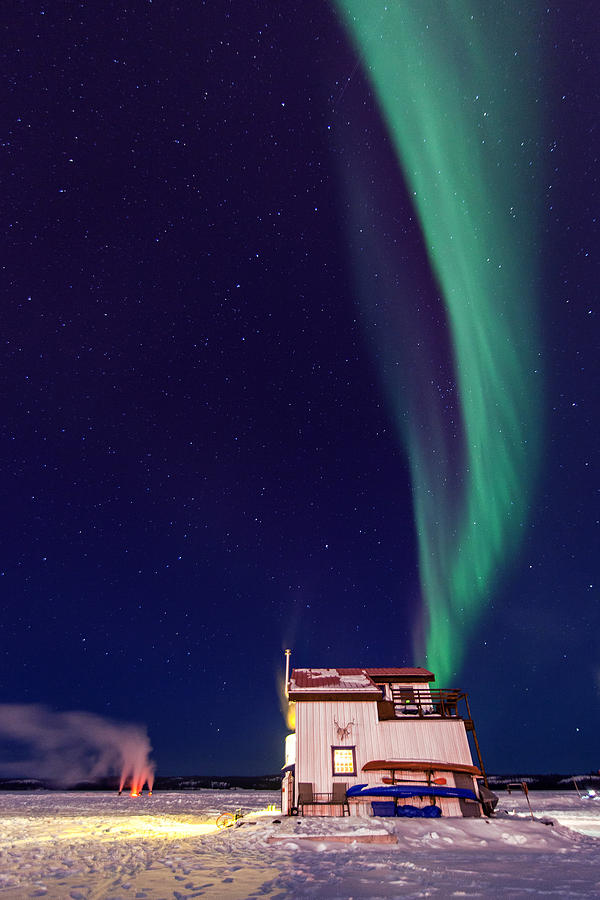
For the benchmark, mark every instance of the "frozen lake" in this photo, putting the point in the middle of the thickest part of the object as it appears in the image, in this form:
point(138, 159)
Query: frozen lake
point(99, 846)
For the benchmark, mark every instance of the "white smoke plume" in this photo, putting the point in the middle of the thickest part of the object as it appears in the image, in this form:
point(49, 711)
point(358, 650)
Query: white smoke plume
point(64, 748)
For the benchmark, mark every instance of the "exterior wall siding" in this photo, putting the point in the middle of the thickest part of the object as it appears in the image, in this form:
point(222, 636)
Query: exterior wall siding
point(427, 739)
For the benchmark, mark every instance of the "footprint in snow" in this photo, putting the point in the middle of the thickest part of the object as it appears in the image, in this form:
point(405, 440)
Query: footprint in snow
point(513, 838)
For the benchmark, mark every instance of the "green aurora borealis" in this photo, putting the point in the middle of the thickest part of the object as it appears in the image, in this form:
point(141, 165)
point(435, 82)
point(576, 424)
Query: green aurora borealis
point(458, 98)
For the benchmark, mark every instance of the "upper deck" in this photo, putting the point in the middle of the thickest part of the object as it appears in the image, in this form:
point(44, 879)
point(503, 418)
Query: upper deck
point(404, 702)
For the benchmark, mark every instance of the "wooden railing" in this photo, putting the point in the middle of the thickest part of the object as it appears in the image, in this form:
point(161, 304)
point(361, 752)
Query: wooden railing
point(410, 703)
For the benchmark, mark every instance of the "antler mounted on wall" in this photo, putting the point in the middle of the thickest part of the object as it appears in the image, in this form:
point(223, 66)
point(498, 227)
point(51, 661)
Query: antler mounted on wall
point(343, 731)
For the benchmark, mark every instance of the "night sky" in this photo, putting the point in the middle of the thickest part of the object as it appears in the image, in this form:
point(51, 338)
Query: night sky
point(202, 459)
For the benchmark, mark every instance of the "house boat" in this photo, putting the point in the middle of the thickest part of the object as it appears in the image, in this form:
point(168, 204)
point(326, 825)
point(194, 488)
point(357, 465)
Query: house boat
point(387, 730)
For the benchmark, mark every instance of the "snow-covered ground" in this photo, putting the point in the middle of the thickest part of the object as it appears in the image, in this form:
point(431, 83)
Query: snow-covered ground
point(99, 846)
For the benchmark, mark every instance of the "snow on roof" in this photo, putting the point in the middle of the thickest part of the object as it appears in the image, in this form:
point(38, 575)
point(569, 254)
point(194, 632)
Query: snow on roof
point(328, 680)
point(348, 680)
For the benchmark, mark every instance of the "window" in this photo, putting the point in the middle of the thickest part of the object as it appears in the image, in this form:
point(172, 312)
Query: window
point(343, 760)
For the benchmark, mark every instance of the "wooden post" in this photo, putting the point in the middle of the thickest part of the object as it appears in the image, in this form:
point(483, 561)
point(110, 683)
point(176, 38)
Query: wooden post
point(485, 781)
point(525, 790)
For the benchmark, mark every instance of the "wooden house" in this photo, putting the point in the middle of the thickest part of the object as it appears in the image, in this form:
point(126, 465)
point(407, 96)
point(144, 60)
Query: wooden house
point(387, 729)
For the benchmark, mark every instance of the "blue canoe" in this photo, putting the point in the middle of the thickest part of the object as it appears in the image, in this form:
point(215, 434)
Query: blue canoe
point(409, 790)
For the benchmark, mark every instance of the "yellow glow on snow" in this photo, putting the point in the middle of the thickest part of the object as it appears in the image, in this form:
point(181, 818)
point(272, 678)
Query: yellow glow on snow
point(114, 828)
point(169, 828)
point(267, 811)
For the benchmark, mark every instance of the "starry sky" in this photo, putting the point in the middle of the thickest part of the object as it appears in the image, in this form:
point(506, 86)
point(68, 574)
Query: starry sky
point(204, 458)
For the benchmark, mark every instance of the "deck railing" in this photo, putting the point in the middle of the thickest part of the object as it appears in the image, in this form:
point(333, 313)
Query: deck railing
point(411, 703)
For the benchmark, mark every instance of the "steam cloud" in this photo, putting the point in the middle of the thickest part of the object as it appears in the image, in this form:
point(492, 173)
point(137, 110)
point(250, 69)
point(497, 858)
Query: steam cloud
point(68, 747)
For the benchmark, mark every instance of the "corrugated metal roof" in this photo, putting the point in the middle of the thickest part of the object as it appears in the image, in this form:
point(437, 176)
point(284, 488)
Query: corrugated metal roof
point(355, 680)
point(415, 671)
point(349, 680)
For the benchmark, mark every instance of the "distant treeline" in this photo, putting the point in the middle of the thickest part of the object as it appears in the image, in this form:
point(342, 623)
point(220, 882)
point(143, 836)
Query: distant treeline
point(161, 783)
point(552, 782)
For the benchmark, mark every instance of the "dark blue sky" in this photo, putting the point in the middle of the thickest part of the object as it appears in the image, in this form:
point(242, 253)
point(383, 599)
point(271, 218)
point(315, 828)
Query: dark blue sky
point(199, 466)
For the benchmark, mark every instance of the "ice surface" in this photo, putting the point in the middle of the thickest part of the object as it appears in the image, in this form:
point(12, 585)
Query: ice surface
point(99, 846)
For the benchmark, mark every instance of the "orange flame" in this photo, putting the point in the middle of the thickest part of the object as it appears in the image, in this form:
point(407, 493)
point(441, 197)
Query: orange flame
point(138, 776)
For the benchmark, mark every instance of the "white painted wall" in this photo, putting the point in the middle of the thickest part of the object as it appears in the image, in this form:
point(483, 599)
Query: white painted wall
point(444, 740)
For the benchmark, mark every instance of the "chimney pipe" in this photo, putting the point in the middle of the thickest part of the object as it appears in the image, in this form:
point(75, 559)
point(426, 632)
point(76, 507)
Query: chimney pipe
point(287, 673)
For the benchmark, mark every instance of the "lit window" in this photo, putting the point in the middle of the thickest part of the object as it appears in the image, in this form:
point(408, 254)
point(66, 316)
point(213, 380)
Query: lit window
point(344, 760)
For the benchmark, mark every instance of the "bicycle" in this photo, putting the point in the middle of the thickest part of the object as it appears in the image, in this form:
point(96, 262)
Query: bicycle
point(227, 820)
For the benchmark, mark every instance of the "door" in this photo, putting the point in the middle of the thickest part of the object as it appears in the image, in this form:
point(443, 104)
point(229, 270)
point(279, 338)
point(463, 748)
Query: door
point(287, 794)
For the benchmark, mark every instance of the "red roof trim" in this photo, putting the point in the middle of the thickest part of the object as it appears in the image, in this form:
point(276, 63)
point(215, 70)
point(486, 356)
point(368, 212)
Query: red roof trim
point(407, 671)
